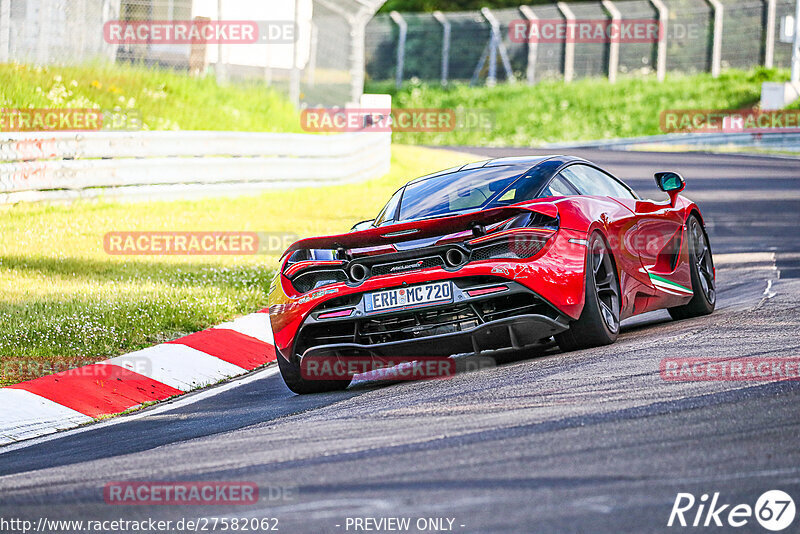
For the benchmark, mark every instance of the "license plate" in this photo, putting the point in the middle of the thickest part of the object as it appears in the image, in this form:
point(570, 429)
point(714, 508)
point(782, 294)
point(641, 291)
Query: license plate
point(409, 297)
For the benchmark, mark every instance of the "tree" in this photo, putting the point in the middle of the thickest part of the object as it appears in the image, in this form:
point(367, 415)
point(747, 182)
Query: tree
point(449, 5)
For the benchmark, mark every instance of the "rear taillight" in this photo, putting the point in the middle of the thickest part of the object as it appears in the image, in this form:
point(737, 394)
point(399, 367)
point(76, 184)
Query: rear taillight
point(291, 270)
point(340, 313)
point(516, 234)
point(487, 290)
point(311, 279)
point(519, 243)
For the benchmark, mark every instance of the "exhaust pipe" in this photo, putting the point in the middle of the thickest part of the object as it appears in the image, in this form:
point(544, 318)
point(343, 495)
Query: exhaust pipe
point(455, 257)
point(358, 273)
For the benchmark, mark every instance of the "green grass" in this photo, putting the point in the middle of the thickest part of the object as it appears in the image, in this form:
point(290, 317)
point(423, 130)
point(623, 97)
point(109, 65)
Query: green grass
point(64, 301)
point(157, 99)
point(587, 109)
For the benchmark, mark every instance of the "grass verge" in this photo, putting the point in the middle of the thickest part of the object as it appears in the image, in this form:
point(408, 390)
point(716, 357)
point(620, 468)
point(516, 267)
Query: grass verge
point(64, 302)
point(587, 109)
point(148, 99)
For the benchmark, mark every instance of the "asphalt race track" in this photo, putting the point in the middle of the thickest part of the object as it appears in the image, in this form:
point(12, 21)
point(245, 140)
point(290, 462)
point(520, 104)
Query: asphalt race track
point(591, 441)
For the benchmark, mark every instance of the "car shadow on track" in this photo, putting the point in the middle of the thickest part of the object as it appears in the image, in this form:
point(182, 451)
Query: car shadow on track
point(251, 403)
point(255, 402)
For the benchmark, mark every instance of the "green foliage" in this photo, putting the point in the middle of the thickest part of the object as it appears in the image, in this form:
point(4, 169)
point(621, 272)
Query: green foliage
point(587, 109)
point(160, 99)
point(448, 5)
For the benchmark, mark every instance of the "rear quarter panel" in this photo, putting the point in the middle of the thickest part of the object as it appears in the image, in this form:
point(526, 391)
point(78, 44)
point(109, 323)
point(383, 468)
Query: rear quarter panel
point(617, 223)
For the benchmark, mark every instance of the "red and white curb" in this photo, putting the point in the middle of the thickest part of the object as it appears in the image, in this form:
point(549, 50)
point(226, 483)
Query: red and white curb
point(71, 398)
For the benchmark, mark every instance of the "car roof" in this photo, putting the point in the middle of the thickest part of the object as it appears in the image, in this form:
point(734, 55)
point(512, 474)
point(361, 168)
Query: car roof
point(524, 163)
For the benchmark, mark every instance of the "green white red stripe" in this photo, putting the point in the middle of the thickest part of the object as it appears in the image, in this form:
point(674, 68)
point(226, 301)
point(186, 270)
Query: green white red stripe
point(669, 286)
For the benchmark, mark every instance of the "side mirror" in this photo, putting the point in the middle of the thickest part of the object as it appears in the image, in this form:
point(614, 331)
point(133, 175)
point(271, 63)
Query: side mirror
point(671, 183)
point(363, 225)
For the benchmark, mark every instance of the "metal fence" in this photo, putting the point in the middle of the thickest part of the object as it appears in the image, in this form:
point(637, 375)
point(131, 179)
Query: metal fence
point(327, 64)
point(324, 65)
point(55, 31)
point(696, 36)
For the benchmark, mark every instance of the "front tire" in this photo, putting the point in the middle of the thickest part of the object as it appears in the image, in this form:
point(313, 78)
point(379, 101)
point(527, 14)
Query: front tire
point(599, 322)
point(701, 265)
point(292, 376)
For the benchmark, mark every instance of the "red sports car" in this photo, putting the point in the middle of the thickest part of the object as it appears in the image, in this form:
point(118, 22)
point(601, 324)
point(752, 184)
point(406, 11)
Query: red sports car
point(494, 255)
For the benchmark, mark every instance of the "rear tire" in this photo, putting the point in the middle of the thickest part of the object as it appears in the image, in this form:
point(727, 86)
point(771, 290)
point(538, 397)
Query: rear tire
point(290, 371)
point(599, 322)
point(701, 265)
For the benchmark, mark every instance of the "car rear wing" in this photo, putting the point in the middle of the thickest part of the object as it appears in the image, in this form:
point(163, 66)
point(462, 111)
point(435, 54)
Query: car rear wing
point(426, 228)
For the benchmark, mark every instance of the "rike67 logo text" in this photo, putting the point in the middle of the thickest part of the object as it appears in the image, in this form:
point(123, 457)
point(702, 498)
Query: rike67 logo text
point(774, 510)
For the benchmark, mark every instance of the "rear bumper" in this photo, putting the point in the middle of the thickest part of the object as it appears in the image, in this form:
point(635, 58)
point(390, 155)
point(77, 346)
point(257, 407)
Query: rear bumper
point(512, 332)
point(512, 318)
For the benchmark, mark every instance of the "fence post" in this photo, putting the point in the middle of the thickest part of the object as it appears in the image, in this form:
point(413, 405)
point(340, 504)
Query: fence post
point(530, 67)
point(5, 30)
point(219, 68)
point(311, 68)
point(42, 50)
point(439, 16)
point(716, 46)
point(294, 74)
point(661, 50)
point(498, 46)
point(491, 77)
point(81, 37)
point(109, 13)
point(769, 42)
point(613, 42)
point(358, 31)
point(401, 46)
point(796, 45)
point(569, 43)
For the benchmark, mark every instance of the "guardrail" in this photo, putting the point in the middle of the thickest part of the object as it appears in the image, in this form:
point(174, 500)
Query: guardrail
point(60, 165)
point(773, 140)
